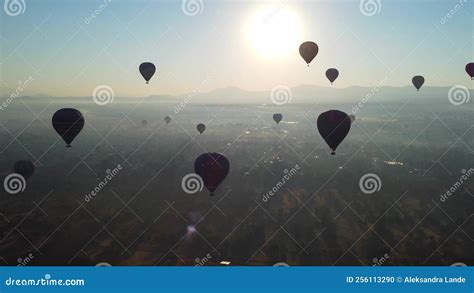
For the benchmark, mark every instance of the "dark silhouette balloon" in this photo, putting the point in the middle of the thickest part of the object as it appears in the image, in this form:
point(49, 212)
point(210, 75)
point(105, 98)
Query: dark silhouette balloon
point(418, 81)
point(201, 127)
point(277, 117)
point(167, 119)
point(332, 74)
point(68, 123)
point(353, 118)
point(24, 168)
point(147, 70)
point(308, 50)
point(334, 126)
point(470, 70)
point(213, 169)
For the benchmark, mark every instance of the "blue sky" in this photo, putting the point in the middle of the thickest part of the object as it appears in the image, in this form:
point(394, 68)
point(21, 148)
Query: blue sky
point(68, 55)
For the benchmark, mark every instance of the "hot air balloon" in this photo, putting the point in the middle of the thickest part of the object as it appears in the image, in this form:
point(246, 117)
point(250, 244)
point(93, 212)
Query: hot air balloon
point(167, 119)
point(213, 169)
point(147, 70)
point(24, 168)
point(277, 117)
point(68, 123)
point(334, 126)
point(308, 50)
point(470, 70)
point(332, 74)
point(353, 118)
point(418, 81)
point(201, 127)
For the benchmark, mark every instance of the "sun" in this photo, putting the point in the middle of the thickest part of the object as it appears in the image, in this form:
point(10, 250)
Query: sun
point(274, 31)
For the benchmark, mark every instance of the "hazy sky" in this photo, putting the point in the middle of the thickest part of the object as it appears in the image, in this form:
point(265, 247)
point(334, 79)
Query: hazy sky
point(69, 54)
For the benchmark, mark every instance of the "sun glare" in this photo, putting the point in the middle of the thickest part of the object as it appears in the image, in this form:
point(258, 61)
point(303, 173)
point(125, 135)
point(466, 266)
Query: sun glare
point(274, 31)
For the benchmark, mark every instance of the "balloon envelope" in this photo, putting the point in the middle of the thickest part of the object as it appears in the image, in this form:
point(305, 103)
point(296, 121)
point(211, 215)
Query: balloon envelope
point(68, 123)
point(277, 117)
point(418, 81)
point(470, 69)
point(201, 127)
point(24, 168)
point(213, 169)
point(167, 120)
point(308, 50)
point(334, 126)
point(147, 70)
point(332, 74)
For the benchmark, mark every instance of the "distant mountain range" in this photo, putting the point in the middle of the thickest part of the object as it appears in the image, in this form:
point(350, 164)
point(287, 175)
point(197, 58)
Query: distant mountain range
point(303, 94)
